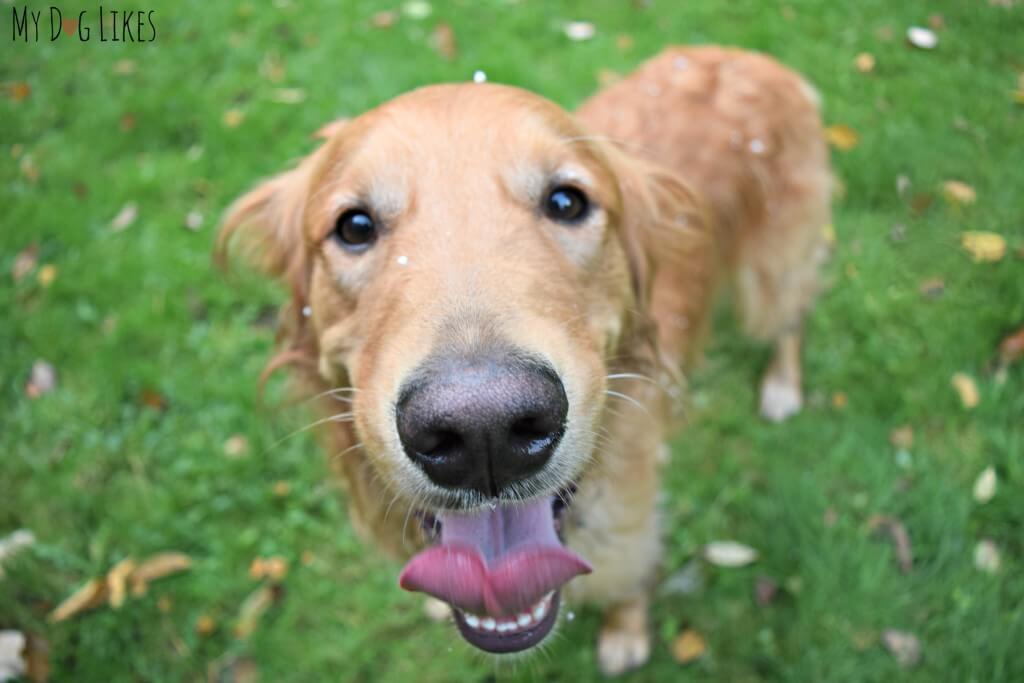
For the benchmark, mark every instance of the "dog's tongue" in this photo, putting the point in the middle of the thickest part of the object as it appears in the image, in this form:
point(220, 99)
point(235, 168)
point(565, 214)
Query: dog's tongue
point(497, 561)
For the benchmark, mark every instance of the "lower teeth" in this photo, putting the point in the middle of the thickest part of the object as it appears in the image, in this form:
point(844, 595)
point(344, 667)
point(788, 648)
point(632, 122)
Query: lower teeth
point(519, 622)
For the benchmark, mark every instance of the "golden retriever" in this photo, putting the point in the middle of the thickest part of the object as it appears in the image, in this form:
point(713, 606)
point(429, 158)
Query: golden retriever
point(505, 298)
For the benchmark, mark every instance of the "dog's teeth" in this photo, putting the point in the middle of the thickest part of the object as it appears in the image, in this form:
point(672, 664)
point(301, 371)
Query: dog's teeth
point(488, 624)
point(524, 620)
point(505, 627)
point(472, 620)
point(540, 610)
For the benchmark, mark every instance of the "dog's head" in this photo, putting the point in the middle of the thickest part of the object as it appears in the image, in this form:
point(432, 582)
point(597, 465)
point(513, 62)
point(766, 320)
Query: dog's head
point(471, 263)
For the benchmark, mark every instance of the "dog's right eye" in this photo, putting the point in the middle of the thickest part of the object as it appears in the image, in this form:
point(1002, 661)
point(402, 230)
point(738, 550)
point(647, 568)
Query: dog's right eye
point(355, 230)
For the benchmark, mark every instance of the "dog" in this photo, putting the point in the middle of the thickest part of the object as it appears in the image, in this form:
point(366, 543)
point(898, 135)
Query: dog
point(504, 299)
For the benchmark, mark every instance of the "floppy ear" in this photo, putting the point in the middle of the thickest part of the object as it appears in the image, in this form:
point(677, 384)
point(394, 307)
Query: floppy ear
point(268, 222)
point(665, 231)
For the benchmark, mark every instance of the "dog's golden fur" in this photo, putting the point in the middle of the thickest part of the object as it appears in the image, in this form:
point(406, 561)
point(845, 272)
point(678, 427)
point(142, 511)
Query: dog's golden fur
point(704, 164)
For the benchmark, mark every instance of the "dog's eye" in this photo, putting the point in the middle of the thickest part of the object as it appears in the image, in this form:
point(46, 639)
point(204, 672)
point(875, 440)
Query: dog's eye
point(566, 205)
point(355, 230)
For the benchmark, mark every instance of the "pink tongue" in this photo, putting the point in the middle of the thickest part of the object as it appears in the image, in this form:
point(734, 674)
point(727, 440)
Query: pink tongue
point(497, 561)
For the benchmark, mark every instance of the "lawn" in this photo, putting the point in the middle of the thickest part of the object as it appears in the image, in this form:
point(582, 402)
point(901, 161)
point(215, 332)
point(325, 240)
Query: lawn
point(155, 438)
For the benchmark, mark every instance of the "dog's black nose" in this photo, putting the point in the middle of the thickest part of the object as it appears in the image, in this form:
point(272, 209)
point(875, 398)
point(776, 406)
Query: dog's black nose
point(481, 423)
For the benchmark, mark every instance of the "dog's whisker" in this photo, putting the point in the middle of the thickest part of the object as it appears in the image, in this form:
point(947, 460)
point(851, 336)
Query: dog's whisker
point(630, 399)
point(343, 453)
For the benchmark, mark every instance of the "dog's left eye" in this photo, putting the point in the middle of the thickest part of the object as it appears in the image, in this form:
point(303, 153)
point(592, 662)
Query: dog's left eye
point(355, 230)
point(566, 204)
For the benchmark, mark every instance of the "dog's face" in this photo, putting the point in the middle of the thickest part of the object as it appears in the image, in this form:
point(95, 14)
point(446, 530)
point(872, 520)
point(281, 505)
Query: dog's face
point(470, 263)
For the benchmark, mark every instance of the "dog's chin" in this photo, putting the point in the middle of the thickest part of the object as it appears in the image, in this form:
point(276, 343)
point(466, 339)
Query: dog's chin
point(505, 635)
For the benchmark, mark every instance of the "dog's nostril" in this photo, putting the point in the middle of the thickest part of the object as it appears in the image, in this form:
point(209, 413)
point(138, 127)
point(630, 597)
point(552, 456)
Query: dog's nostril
point(532, 434)
point(441, 444)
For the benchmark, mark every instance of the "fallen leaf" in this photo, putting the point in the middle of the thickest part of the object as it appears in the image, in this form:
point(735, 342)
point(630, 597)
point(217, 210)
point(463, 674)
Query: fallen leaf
point(274, 568)
point(29, 168)
point(288, 95)
point(233, 118)
point(12, 664)
point(308, 558)
point(624, 41)
point(958, 193)
point(194, 220)
point(578, 31)
point(443, 40)
point(205, 625)
point(282, 489)
point(125, 67)
point(164, 604)
point(842, 137)
point(47, 274)
point(729, 554)
point(921, 202)
point(688, 646)
point(160, 565)
point(236, 446)
point(606, 77)
point(984, 246)
point(125, 217)
point(92, 594)
point(937, 21)
point(25, 262)
point(932, 288)
point(902, 437)
point(840, 400)
point(985, 485)
point(127, 121)
point(765, 590)
point(986, 556)
point(253, 609)
point(19, 91)
point(864, 62)
point(967, 389)
point(37, 658)
point(153, 399)
point(922, 38)
point(417, 9)
point(272, 68)
point(1011, 349)
point(385, 19)
point(899, 537)
point(41, 380)
point(117, 582)
point(904, 646)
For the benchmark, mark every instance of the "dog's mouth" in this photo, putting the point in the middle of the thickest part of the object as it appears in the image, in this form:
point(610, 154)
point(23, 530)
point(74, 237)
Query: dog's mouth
point(500, 568)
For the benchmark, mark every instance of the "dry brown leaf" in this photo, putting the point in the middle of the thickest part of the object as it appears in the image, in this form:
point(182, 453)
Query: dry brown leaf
point(840, 400)
point(922, 38)
point(233, 118)
point(986, 556)
point(153, 399)
point(164, 604)
point(125, 67)
point(125, 217)
point(282, 489)
point(688, 646)
point(624, 41)
point(25, 262)
point(902, 437)
point(37, 658)
point(1011, 349)
point(117, 582)
point(42, 379)
point(578, 31)
point(729, 554)
point(985, 485)
point(384, 19)
point(984, 246)
point(160, 565)
point(842, 137)
point(966, 389)
point(864, 62)
point(253, 608)
point(205, 625)
point(46, 275)
point(899, 537)
point(443, 40)
point(958, 193)
point(19, 91)
point(921, 202)
point(904, 646)
point(937, 21)
point(92, 594)
point(274, 568)
point(932, 288)
point(127, 121)
point(236, 446)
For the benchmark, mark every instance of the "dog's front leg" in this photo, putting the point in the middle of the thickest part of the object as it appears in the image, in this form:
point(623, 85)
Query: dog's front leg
point(613, 524)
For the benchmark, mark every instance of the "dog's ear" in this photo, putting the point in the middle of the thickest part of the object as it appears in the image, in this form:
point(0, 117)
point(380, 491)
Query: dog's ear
point(664, 229)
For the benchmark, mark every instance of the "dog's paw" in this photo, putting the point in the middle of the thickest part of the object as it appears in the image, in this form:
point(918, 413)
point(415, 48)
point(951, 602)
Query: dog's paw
point(779, 399)
point(436, 610)
point(621, 650)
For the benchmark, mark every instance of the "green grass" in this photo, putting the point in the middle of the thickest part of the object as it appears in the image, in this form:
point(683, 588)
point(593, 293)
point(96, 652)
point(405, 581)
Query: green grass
point(98, 476)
